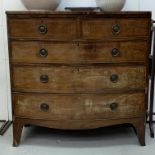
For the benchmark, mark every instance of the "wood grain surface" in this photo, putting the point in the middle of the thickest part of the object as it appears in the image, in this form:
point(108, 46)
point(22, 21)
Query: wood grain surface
point(78, 70)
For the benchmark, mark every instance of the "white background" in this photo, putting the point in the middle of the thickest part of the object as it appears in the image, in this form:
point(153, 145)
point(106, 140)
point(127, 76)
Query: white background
point(5, 101)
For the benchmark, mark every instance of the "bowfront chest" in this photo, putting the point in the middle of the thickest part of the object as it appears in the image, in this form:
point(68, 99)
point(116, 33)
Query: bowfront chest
point(79, 70)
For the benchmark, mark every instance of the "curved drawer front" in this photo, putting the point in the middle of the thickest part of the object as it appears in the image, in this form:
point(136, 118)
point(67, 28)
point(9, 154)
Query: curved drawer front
point(56, 28)
point(114, 28)
point(79, 107)
point(106, 52)
point(69, 28)
point(78, 79)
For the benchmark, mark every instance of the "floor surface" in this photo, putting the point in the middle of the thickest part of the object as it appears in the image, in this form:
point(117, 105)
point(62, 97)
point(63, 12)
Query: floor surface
point(118, 140)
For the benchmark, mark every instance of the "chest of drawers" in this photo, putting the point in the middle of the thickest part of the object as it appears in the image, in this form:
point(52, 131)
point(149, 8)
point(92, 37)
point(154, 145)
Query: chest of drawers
point(79, 70)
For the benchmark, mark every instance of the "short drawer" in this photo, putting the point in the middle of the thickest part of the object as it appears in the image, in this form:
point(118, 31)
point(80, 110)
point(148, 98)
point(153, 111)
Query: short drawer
point(54, 28)
point(105, 52)
point(79, 107)
point(115, 28)
point(78, 78)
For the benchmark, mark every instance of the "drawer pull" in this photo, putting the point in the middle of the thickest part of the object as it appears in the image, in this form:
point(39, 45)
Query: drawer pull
point(114, 78)
point(42, 29)
point(44, 78)
point(113, 106)
point(44, 107)
point(116, 29)
point(115, 52)
point(43, 52)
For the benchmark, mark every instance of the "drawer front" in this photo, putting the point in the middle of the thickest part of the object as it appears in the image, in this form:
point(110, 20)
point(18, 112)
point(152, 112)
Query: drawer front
point(54, 28)
point(114, 28)
point(78, 79)
point(113, 52)
point(79, 107)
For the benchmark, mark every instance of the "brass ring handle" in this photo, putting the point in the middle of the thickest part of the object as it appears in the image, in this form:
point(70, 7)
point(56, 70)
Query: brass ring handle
point(113, 106)
point(43, 52)
point(116, 29)
point(42, 29)
point(114, 78)
point(44, 107)
point(44, 78)
point(115, 52)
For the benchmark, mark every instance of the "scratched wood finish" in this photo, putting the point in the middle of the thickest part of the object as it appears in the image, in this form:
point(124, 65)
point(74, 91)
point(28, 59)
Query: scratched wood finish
point(99, 28)
point(63, 79)
point(57, 52)
point(56, 28)
point(79, 107)
point(77, 92)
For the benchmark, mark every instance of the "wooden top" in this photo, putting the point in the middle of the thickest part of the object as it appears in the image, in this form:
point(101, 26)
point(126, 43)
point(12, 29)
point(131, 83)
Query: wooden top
point(127, 14)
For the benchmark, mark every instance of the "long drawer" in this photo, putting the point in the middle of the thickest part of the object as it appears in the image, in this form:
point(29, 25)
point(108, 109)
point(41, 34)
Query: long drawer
point(79, 107)
point(64, 79)
point(57, 52)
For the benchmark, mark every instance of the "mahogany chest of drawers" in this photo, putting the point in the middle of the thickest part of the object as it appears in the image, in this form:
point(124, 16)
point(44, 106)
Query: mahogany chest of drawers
point(72, 70)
